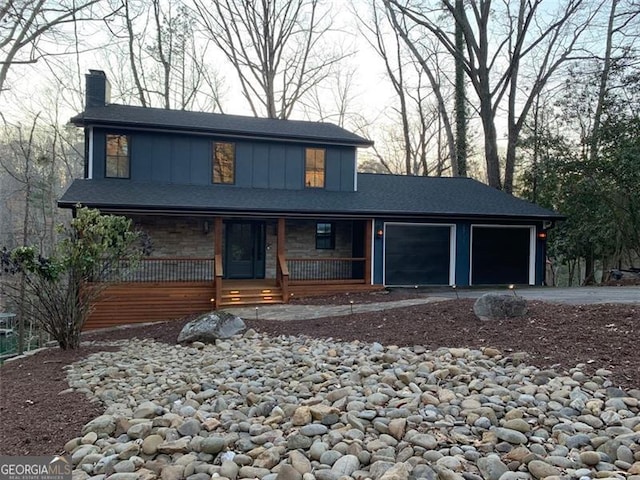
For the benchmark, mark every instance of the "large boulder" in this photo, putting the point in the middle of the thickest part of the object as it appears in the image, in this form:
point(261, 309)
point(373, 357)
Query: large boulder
point(493, 306)
point(211, 326)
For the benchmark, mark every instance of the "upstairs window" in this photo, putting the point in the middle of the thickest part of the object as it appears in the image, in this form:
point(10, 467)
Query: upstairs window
point(224, 162)
point(325, 236)
point(117, 161)
point(314, 168)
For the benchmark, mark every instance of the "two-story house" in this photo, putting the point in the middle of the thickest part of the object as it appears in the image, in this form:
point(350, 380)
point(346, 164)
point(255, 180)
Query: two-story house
point(250, 210)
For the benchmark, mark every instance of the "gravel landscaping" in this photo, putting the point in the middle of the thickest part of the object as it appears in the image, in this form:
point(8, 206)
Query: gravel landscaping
point(420, 392)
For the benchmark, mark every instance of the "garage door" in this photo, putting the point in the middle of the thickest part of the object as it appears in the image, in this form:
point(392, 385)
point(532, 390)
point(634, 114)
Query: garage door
point(417, 254)
point(500, 255)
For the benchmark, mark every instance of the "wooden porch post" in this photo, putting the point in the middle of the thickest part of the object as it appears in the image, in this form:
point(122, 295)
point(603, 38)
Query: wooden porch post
point(217, 255)
point(282, 269)
point(368, 228)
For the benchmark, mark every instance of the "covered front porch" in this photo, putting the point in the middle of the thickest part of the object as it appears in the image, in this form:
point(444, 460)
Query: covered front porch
point(204, 263)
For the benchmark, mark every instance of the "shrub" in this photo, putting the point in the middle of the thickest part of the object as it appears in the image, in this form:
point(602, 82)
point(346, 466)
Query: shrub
point(54, 288)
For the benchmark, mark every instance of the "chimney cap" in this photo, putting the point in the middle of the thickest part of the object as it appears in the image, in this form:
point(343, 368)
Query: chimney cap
point(97, 72)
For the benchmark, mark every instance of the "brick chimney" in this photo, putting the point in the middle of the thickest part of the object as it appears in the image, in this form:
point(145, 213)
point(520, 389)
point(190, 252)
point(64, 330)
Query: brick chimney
point(98, 92)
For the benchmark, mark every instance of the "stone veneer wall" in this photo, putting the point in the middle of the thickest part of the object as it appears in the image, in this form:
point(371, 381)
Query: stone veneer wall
point(178, 236)
point(301, 240)
point(271, 253)
point(185, 237)
point(301, 243)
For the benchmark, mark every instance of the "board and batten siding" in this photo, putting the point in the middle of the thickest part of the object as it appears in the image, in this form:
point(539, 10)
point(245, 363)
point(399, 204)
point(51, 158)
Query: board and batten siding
point(187, 159)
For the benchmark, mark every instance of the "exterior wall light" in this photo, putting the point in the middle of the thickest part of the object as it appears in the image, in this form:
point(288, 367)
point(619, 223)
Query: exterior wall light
point(542, 235)
point(379, 233)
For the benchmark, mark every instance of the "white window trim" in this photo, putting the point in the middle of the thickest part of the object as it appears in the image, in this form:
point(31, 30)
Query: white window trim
point(355, 175)
point(532, 248)
point(373, 252)
point(90, 159)
point(452, 249)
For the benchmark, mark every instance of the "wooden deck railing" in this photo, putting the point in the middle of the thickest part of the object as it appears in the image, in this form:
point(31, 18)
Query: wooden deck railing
point(217, 281)
point(326, 270)
point(289, 271)
point(160, 270)
point(282, 277)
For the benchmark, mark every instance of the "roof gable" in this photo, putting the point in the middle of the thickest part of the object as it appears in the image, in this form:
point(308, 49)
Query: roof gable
point(126, 116)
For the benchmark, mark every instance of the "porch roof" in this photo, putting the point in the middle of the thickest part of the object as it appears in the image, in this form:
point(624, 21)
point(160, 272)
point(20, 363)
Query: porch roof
point(377, 195)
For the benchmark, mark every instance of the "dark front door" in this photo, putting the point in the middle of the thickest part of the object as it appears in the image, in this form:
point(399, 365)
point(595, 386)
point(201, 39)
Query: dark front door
point(244, 249)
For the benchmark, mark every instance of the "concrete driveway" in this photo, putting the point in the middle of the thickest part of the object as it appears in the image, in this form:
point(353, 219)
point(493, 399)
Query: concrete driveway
point(572, 295)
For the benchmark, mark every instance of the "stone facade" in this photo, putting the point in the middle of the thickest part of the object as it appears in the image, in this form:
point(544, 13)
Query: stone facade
point(301, 240)
point(189, 237)
point(183, 237)
point(301, 243)
point(176, 237)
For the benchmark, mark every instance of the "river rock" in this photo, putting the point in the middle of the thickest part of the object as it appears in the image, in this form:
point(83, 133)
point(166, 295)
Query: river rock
point(150, 444)
point(540, 469)
point(287, 472)
point(361, 411)
point(511, 436)
point(213, 444)
point(346, 465)
point(399, 471)
point(102, 425)
point(491, 467)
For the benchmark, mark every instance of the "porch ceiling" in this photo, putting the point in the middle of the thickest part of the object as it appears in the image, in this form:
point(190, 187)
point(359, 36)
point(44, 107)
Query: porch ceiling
point(377, 195)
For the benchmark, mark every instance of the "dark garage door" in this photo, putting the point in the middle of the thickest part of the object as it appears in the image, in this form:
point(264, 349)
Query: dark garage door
point(417, 254)
point(500, 255)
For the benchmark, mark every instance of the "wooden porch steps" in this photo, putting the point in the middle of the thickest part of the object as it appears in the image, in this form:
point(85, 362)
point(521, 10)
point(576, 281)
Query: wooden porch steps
point(250, 293)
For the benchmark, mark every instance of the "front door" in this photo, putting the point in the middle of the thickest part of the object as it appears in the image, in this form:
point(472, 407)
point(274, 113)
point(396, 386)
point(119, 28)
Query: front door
point(244, 249)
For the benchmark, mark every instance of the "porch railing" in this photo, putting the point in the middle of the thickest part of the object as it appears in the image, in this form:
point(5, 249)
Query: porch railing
point(282, 276)
point(291, 270)
point(217, 281)
point(160, 270)
point(320, 270)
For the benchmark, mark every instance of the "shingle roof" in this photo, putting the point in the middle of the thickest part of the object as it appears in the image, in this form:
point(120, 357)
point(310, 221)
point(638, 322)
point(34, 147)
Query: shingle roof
point(377, 195)
point(214, 123)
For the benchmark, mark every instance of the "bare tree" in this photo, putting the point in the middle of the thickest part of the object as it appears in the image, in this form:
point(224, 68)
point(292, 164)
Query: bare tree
point(20, 165)
point(506, 44)
point(460, 96)
point(165, 63)
point(29, 29)
point(336, 101)
point(623, 16)
point(414, 85)
point(274, 46)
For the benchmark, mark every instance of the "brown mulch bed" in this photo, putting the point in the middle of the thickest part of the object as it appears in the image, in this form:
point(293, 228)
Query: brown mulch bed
point(36, 419)
point(602, 336)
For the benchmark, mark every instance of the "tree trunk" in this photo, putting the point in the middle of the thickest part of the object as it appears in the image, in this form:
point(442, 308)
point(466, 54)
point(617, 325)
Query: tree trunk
point(510, 162)
point(460, 166)
point(492, 159)
point(589, 269)
point(602, 89)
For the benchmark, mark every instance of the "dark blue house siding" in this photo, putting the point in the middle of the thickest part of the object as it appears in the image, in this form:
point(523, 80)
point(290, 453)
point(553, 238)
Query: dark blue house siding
point(277, 171)
point(186, 159)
